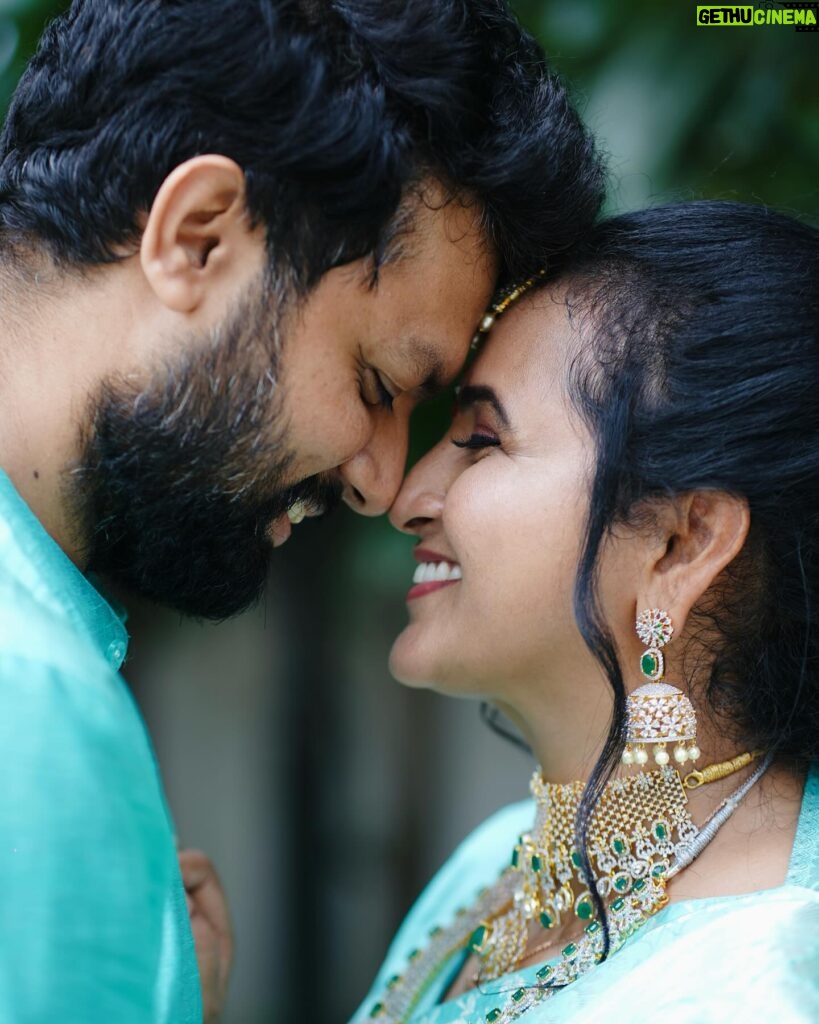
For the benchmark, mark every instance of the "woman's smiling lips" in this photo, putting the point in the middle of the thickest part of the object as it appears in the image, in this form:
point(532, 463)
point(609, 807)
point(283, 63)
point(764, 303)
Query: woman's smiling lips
point(434, 572)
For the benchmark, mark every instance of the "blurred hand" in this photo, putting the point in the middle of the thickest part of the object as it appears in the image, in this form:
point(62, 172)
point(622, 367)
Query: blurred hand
point(212, 932)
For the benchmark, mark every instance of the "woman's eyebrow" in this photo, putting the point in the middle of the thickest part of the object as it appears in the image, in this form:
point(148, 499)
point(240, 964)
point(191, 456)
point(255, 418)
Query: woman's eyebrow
point(472, 394)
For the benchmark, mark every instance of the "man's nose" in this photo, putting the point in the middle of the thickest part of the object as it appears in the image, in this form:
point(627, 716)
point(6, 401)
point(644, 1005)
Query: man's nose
point(371, 478)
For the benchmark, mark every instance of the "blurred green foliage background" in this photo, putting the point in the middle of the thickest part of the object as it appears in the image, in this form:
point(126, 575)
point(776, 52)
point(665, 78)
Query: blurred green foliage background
point(687, 111)
point(21, 22)
point(316, 870)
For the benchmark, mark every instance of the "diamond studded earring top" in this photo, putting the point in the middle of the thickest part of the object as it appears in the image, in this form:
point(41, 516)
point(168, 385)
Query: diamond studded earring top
point(659, 715)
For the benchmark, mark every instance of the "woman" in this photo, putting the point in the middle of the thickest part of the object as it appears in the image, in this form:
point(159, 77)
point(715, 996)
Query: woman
point(623, 518)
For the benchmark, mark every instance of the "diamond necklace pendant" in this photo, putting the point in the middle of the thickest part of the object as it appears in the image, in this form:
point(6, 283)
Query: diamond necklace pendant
point(636, 830)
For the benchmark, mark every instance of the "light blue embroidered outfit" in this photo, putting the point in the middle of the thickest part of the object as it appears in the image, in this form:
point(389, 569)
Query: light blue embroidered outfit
point(93, 922)
point(751, 958)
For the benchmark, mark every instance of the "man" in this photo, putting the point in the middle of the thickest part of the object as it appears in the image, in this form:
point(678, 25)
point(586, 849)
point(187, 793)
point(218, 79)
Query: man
point(239, 240)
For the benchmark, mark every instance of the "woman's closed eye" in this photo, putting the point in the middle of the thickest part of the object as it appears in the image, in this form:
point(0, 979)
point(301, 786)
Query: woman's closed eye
point(477, 412)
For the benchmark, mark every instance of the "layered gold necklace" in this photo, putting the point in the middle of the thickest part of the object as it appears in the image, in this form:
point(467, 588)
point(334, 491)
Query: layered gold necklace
point(640, 835)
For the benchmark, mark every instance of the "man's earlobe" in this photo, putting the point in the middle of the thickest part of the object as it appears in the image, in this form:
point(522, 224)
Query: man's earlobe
point(195, 231)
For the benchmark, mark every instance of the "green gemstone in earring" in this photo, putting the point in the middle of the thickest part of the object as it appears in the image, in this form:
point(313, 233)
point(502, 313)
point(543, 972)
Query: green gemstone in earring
point(652, 664)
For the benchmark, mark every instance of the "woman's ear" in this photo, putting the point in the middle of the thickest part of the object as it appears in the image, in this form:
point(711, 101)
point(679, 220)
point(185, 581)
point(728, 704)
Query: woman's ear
point(197, 236)
point(699, 534)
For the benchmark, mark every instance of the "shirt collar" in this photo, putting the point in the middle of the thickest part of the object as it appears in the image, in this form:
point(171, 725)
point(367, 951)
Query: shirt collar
point(29, 554)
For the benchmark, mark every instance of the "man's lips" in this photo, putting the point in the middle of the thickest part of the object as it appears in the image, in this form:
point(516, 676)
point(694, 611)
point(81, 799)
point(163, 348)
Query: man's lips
point(434, 572)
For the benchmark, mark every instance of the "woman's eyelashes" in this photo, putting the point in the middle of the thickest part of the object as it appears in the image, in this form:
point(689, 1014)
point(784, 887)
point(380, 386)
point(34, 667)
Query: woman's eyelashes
point(472, 433)
point(477, 441)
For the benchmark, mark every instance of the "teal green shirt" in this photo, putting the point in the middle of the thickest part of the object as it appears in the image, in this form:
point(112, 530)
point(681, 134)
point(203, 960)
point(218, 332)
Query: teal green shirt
point(93, 920)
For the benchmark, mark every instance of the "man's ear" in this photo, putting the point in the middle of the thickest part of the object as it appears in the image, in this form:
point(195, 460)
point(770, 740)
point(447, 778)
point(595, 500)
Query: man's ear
point(699, 534)
point(197, 233)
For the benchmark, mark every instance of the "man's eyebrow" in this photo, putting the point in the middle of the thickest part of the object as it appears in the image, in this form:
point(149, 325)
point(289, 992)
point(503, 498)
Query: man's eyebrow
point(429, 367)
point(473, 394)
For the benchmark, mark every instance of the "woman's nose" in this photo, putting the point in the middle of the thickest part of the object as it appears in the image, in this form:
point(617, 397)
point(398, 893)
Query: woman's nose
point(421, 498)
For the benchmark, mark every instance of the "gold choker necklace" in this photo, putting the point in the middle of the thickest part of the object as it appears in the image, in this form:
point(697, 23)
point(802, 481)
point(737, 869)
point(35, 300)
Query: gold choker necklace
point(640, 836)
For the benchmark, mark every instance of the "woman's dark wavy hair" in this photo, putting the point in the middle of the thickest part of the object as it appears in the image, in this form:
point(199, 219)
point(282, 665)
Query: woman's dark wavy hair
point(698, 369)
point(333, 108)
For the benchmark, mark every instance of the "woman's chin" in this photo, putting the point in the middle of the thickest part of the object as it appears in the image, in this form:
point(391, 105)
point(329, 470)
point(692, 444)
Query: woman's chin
point(421, 665)
point(403, 667)
point(410, 663)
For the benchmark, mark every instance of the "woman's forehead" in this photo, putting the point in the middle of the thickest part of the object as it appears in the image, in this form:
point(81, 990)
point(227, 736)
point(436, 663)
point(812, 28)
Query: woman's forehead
point(528, 345)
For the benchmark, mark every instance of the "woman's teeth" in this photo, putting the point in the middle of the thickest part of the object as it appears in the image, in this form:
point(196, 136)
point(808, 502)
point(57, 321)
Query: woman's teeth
point(436, 572)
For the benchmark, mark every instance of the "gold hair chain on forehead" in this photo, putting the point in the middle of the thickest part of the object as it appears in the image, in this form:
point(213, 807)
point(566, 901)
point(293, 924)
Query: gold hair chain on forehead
point(503, 303)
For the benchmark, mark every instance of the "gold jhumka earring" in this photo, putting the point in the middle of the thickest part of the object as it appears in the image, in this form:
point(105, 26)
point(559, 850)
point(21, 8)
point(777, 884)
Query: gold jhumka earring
point(659, 715)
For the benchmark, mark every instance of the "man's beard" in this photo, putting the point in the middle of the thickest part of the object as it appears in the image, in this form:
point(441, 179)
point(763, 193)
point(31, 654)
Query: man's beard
point(179, 481)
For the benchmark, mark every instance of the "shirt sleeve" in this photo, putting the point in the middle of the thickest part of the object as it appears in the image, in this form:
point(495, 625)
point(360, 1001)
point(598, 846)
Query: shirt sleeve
point(85, 870)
